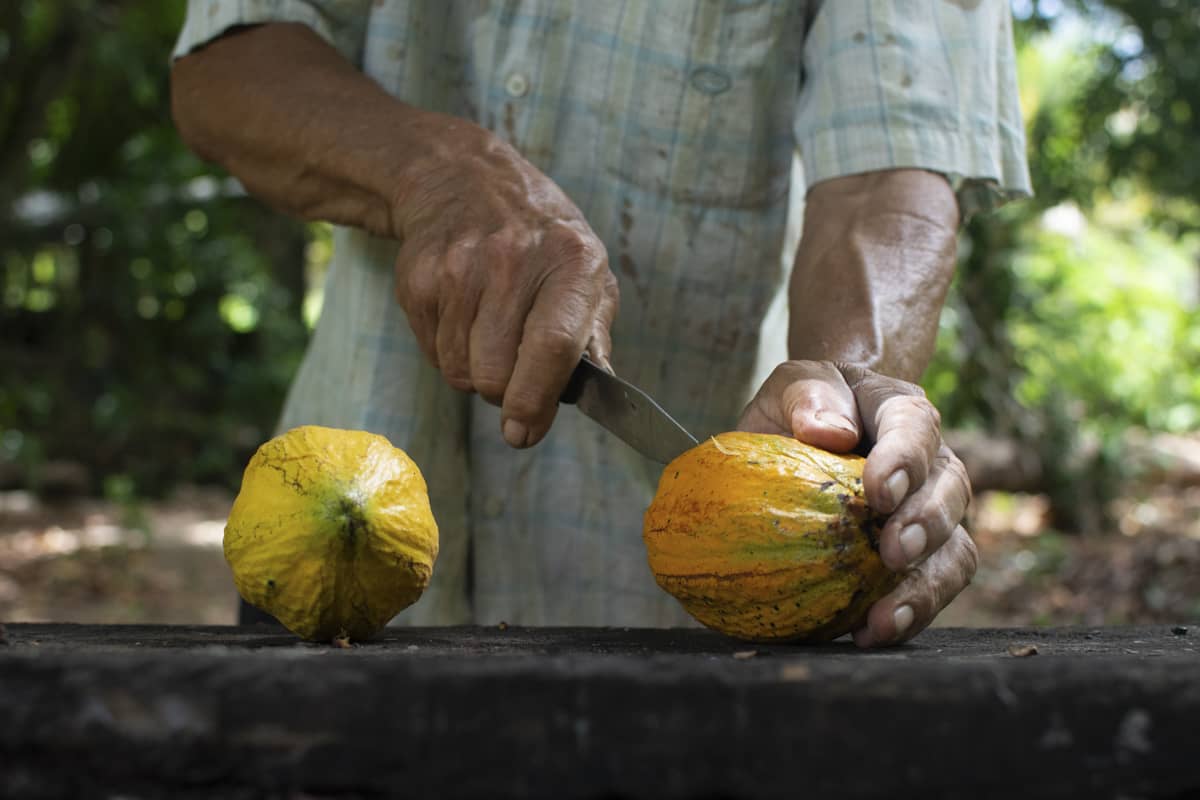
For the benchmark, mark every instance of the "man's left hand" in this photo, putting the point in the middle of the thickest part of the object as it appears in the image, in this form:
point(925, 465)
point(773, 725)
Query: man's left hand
point(910, 474)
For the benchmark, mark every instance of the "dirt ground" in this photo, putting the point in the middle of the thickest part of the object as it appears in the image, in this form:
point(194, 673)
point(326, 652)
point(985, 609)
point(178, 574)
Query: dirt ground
point(90, 560)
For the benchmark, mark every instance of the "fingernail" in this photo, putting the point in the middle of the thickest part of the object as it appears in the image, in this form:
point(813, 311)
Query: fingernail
point(515, 433)
point(832, 420)
point(903, 615)
point(897, 487)
point(912, 542)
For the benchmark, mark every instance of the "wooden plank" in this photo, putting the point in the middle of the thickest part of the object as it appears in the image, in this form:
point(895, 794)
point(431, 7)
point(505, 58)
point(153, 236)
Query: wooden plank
point(483, 712)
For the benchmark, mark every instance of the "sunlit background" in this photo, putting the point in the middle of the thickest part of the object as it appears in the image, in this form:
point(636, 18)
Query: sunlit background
point(152, 315)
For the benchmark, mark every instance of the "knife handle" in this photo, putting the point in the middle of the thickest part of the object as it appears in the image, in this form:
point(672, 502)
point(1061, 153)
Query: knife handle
point(574, 387)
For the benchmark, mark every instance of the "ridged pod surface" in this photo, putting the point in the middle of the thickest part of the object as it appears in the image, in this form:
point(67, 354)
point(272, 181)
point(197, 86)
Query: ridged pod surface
point(767, 539)
point(331, 532)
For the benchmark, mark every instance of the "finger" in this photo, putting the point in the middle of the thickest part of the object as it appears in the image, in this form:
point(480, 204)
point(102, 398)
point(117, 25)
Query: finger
point(926, 520)
point(820, 409)
point(922, 595)
point(495, 337)
point(458, 299)
point(906, 431)
point(496, 332)
point(417, 293)
point(809, 399)
point(555, 333)
point(599, 346)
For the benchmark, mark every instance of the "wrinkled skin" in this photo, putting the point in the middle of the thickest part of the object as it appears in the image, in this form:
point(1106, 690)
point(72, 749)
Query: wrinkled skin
point(503, 282)
point(505, 285)
point(870, 277)
point(910, 474)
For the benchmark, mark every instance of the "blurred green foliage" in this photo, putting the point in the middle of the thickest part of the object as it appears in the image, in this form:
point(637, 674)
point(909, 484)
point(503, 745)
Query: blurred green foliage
point(1076, 315)
point(151, 315)
point(150, 311)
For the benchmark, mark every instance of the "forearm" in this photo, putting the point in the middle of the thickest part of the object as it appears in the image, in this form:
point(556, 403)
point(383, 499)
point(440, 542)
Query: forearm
point(303, 129)
point(872, 270)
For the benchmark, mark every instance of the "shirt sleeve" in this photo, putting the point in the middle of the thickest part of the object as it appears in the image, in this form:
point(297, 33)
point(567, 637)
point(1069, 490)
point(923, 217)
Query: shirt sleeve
point(927, 84)
point(342, 23)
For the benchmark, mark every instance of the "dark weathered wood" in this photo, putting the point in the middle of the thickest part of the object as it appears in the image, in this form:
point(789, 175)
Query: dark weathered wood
point(483, 712)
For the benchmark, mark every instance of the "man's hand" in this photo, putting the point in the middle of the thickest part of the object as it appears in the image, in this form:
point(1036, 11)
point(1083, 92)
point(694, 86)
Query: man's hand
point(910, 474)
point(503, 281)
point(871, 274)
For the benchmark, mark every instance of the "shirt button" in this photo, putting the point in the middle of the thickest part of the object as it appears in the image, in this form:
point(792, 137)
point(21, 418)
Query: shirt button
point(517, 85)
point(493, 507)
point(711, 80)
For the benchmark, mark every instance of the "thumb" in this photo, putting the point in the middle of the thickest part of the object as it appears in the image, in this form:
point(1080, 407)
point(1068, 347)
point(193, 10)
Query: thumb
point(817, 405)
point(599, 347)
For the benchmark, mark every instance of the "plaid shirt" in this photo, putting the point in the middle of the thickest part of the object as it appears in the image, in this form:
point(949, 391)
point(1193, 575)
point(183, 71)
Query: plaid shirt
point(674, 126)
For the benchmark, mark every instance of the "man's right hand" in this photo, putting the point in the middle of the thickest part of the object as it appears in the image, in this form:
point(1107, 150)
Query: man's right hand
point(504, 283)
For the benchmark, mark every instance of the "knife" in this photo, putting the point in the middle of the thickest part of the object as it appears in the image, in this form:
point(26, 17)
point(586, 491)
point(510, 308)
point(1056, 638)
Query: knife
point(627, 412)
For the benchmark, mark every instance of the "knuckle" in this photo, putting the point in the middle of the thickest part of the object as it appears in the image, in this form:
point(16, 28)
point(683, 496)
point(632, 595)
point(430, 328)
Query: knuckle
point(490, 386)
point(929, 410)
point(853, 374)
point(957, 473)
point(886, 401)
point(881, 386)
point(958, 573)
point(460, 248)
point(422, 320)
point(917, 408)
point(551, 343)
point(911, 408)
point(568, 245)
point(926, 607)
point(903, 387)
point(611, 291)
point(970, 558)
point(922, 594)
point(925, 599)
point(456, 272)
point(937, 519)
point(417, 290)
point(781, 375)
point(504, 247)
point(611, 286)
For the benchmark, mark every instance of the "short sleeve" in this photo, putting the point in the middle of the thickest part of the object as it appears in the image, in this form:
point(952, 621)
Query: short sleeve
point(927, 84)
point(342, 23)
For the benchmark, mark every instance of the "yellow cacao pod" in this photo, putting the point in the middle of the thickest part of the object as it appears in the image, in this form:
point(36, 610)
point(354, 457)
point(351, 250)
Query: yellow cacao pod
point(767, 539)
point(331, 533)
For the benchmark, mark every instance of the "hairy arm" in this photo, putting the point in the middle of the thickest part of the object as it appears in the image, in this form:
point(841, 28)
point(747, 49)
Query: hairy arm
point(304, 130)
point(872, 271)
point(869, 282)
point(502, 280)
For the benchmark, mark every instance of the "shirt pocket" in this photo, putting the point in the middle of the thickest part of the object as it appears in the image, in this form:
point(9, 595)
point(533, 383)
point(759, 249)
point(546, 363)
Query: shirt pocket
point(702, 109)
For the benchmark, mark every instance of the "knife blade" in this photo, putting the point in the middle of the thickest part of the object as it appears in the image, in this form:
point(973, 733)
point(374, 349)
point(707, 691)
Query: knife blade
point(627, 412)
